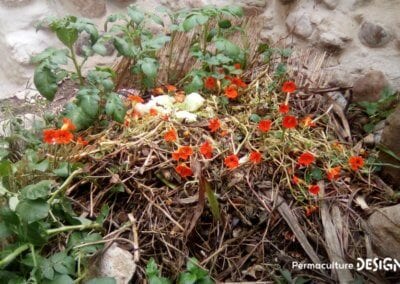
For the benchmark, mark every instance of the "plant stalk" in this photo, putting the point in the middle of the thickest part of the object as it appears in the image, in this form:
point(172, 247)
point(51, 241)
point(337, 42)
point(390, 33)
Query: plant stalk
point(9, 258)
point(73, 227)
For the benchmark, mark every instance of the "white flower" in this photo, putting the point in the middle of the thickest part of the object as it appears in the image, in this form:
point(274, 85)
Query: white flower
point(193, 102)
point(244, 159)
point(186, 116)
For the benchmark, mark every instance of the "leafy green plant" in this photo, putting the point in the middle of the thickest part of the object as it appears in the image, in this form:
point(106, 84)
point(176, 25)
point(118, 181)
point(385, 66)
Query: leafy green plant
point(31, 218)
point(193, 274)
point(215, 26)
point(379, 110)
point(95, 97)
point(133, 40)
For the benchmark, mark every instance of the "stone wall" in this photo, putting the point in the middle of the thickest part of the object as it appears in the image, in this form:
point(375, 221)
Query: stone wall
point(360, 35)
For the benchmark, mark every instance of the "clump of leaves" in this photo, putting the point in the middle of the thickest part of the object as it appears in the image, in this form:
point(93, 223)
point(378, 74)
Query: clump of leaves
point(31, 218)
point(133, 40)
point(215, 25)
point(379, 110)
point(193, 274)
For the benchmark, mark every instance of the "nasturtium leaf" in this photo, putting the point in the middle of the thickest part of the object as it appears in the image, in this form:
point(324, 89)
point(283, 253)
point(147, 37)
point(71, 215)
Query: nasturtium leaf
point(123, 47)
point(99, 48)
point(67, 36)
point(46, 269)
point(255, 118)
point(5, 168)
point(79, 116)
point(136, 16)
point(42, 166)
point(227, 47)
point(149, 68)
point(194, 20)
point(37, 191)
point(234, 10)
point(60, 279)
point(45, 81)
point(63, 263)
point(115, 107)
point(157, 19)
point(32, 210)
point(224, 24)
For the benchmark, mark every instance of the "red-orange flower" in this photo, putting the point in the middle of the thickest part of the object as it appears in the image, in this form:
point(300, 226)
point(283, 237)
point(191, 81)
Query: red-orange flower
point(171, 88)
point(49, 136)
point(231, 161)
point(255, 157)
point(214, 124)
point(183, 170)
point(170, 135)
point(210, 83)
point(306, 159)
point(81, 141)
point(284, 108)
point(206, 150)
point(231, 92)
point(237, 66)
point(333, 173)
point(68, 125)
point(313, 189)
point(289, 121)
point(238, 82)
point(356, 162)
point(289, 87)
point(183, 153)
point(264, 125)
point(135, 99)
point(153, 112)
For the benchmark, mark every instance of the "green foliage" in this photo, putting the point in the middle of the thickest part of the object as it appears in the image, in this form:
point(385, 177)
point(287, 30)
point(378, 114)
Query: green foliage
point(379, 110)
point(193, 274)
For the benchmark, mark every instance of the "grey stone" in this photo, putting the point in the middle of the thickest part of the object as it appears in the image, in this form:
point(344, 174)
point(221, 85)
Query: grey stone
point(84, 42)
point(331, 4)
point(369, 87)
point(300, 24)
point(333, 40)
point(384, 230)
point(373, 35)
point(390, 140)
point(118, 263)
point(90, 8)
point(14, 3)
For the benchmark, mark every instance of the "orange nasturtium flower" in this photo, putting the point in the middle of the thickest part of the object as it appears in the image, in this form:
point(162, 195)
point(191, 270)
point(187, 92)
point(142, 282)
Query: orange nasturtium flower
point(264, 125)
point(81, 141)
point(313, 189)
point(158, 91)
point(54, 136)
point(289, 87)
point(356, 162)
point(231, 161)
point(296, 180)
point(183, 153)
point(284, 108)
point(153, 112)
point(180, 96)
point(289, 121)
point(171, 88)
point(255, 157)
point(231, 92)
point(68, 125)
point(206, 150)
point(135, 99)
point(237, 66)
point(333, 173)
point(210, 83)
point(214, 124)
point(238, 82)
point(306, 159)
point(171, 135)
point(183, 170)
point(308, 121)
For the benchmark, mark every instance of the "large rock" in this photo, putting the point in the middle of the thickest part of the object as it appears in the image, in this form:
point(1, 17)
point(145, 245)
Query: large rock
point(333, 40)
point(369, 87)
point(373, 35)
point(300, 24)
point(384, 231)
point(331, 4)
point(14, 3)
point(89, 8)
point(390, 140)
